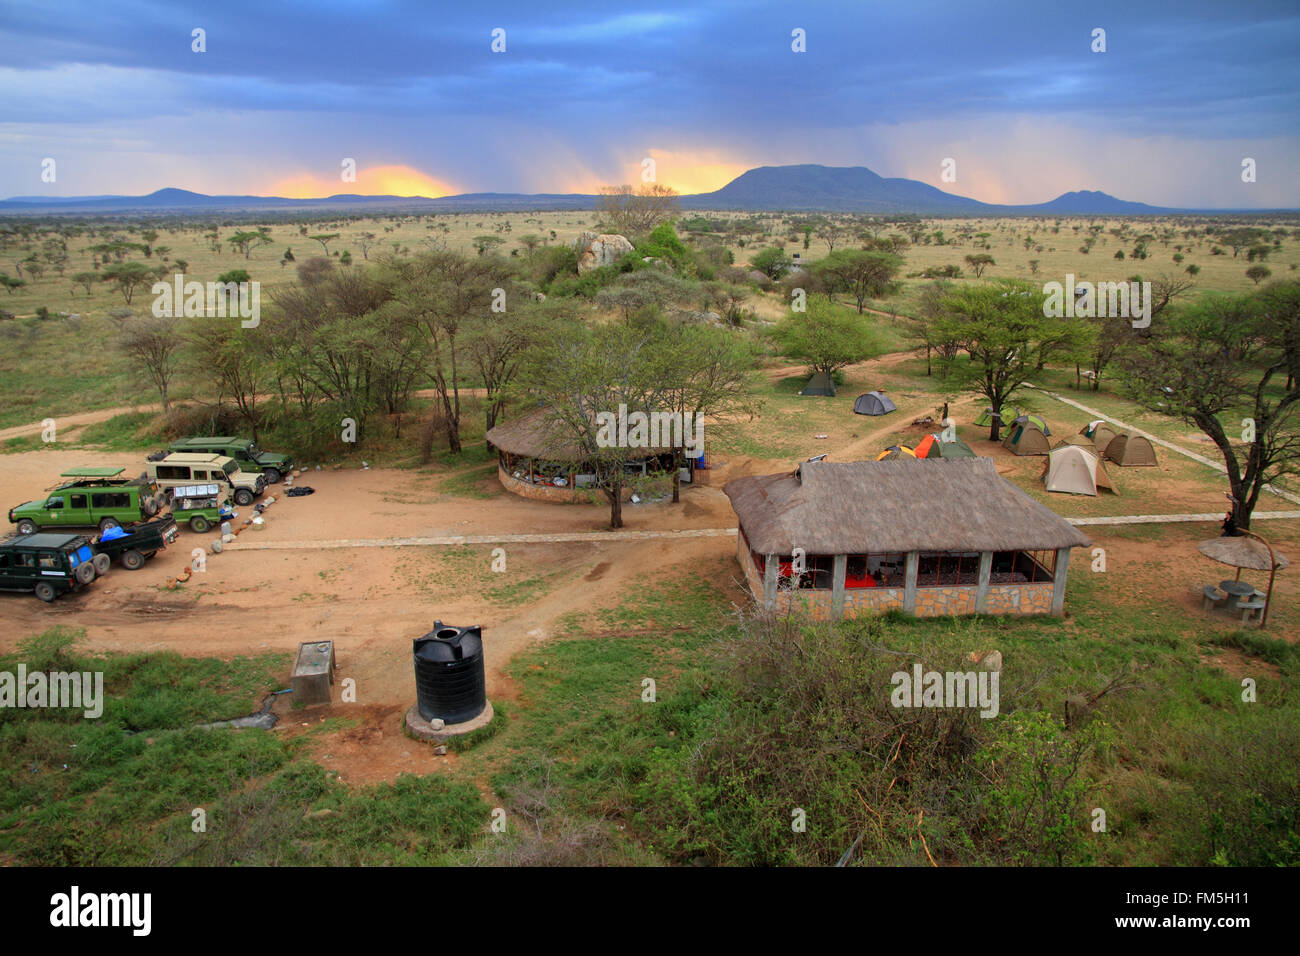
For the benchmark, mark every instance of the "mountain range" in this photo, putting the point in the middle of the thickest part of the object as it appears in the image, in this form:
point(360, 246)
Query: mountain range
point(800, 188)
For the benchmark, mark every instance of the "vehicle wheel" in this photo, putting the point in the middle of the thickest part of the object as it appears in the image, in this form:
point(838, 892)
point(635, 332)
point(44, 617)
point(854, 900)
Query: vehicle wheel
point(27, 526)
point(132, 560)
point(101, 563)
point(45, 591)
point(149, 506)
point(84, 572)
point(273, 476)
point(107, 523)
point(243, 497)
point(199, 524)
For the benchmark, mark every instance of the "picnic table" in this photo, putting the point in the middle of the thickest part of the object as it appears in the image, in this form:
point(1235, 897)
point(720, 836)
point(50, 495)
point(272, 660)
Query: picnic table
point(1237, 592)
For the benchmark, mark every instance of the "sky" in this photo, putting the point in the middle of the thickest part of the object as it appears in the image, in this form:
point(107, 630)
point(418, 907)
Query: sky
point(582, 93)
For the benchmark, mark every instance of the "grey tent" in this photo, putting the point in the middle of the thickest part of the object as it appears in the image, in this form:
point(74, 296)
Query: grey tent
point(819, 384)
point(873, 403)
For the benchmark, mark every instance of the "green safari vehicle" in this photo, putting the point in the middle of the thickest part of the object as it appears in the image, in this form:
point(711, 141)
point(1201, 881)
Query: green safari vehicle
point(201, 506)
point(247, 455)
point(95, 497)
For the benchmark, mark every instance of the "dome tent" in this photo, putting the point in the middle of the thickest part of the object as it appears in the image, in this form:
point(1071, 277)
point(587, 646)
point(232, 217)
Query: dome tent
point(1026, 438)
point(986, 417)
point(1073, 470)
point(873, 403)
point(821, 383)
point(1131, 450)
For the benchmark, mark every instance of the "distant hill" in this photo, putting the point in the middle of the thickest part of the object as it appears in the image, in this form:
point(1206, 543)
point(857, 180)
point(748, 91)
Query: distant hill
point(801, 188)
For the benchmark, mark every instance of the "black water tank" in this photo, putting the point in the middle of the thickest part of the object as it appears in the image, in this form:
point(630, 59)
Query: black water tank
point(449, 673)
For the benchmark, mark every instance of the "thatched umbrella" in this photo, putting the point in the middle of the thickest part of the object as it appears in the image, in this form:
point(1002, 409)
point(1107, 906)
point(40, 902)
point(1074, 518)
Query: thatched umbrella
point(1249, 551)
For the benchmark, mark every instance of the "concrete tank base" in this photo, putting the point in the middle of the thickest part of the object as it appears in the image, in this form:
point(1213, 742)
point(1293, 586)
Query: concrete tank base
point(421, 729)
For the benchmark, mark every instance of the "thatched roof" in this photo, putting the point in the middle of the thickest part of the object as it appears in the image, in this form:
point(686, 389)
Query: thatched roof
point(865, 507)
point(1243, 552)
point(543, 434)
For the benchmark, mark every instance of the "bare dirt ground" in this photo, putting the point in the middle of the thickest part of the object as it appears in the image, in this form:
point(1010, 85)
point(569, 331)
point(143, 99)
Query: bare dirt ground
point(370, 601)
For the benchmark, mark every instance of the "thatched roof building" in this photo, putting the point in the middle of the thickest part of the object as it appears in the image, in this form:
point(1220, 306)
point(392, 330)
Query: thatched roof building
point(947, 536)
point(901, 505)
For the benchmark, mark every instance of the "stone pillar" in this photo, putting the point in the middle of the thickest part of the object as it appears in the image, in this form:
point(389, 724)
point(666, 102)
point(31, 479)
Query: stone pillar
point(982, 593)
point(837, 585)
point(771, 568)
point(909, 583)
point(1058, 581)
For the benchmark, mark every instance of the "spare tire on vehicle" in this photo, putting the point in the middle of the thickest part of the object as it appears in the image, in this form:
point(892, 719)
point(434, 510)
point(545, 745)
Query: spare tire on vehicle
point(84, 572)
point(101, 563)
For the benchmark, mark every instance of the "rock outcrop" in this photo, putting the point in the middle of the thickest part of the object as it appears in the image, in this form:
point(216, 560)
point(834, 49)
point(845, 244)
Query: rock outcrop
point(595, 250)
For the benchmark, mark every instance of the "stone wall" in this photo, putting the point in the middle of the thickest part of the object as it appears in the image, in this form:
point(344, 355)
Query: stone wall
point(566, 495)
point(1020, 598)
point(933, 602)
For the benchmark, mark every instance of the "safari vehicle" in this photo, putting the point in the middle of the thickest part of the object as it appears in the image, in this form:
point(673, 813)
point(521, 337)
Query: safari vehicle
point(172, 468)
point(135, 546)
point(201, 506)
point(94, 497)
point(244, 450)
point(47, 564)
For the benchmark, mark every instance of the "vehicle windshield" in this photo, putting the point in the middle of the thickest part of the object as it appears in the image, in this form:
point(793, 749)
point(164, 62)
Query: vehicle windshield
point(231, 468)
point(253, 451)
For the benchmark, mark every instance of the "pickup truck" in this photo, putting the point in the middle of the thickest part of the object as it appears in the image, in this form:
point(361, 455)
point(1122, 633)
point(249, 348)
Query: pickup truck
point(135, 545)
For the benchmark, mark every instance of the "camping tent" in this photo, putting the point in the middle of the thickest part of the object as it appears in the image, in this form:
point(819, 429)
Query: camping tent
point(1073, 470)
point(819, 384)
point(1083, 441)
point(1129, 450)
point(895, 451)
point(933, 447)
point(1034, 420)
point(1100, 433)
point(873, 403)
point(986, 416)
point(954, 449)
point(1026, 438)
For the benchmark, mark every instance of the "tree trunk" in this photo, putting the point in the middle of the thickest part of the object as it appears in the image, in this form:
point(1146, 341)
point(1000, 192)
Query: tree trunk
point(616, 503)
point(677, 476)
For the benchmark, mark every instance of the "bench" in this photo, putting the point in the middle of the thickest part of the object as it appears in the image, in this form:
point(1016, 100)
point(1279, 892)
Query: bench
point(1212, 597)
point(1248, 608)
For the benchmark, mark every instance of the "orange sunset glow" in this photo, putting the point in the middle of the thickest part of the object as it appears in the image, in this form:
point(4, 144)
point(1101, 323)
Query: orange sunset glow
point(371, 181)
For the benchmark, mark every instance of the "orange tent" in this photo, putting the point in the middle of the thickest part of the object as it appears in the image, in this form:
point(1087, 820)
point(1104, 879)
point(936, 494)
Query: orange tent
point(923, 450)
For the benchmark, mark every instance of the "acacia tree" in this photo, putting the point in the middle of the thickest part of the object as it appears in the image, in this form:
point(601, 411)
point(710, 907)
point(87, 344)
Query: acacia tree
point(497, 345)
point(128, 276)
point(827, 337)
point(153, 343)
point(862, 273)
point(1114, 332)
point(588, 372)
point(1002, 327)
point(1220, 365)
point(635, 212)
point(441, 290)
point(707, 372)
